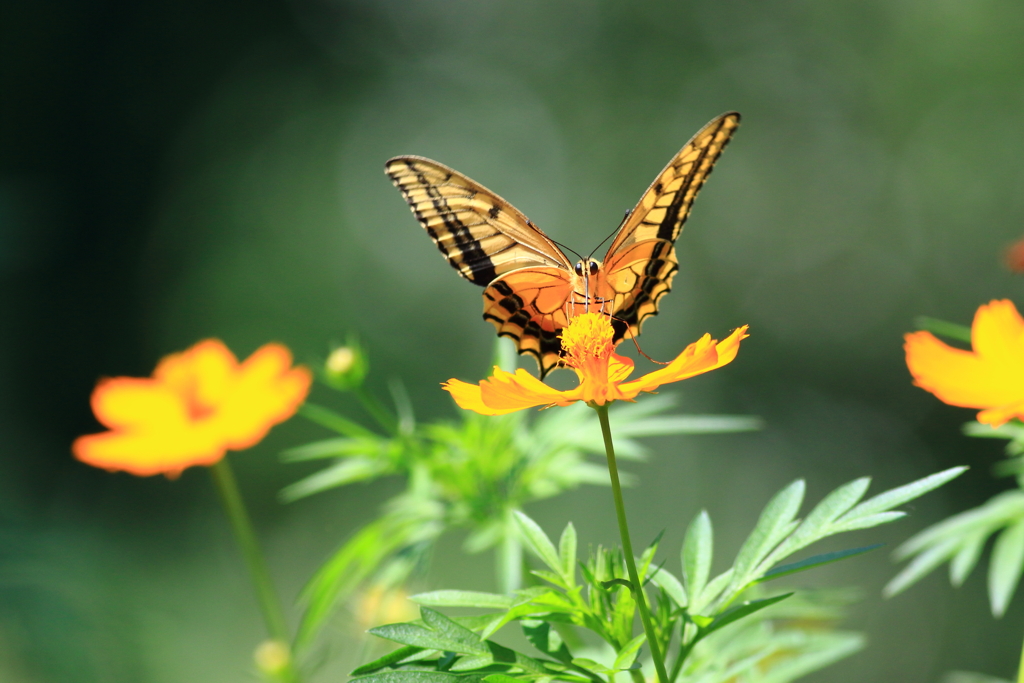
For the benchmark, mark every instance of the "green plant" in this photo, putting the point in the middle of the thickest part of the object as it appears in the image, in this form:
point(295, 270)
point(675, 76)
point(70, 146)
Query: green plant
point(690, 614)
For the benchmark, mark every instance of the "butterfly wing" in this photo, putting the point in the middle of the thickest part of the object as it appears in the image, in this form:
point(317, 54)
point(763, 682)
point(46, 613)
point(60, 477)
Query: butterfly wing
point(529, 306)
point(481, 234)
point(641, 261)
point(491, 243)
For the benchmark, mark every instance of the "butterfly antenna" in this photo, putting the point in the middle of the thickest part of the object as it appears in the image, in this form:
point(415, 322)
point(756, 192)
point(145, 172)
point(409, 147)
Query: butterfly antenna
point(621, 223)
point(568, 249)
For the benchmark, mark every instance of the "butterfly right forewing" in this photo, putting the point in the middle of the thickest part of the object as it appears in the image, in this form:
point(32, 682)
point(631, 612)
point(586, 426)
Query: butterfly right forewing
point(641, 261)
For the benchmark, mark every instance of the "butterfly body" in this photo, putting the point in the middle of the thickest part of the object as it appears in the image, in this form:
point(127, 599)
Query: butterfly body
point(532, 289)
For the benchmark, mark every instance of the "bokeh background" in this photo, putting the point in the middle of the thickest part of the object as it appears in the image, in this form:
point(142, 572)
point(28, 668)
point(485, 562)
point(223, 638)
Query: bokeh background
point(178, 170)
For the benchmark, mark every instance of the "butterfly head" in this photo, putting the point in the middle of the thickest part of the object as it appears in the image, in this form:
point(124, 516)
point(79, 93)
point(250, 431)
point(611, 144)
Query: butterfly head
point(587, 267)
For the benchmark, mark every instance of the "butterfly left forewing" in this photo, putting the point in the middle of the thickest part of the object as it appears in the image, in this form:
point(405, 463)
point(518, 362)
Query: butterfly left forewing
point(641, 261)
point(490, 243)
point(481, 234)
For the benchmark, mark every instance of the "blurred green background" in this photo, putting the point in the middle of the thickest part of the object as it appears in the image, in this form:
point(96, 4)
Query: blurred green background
point(178, 170)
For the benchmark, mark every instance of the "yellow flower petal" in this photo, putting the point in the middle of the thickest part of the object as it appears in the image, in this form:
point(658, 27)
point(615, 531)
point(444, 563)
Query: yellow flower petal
point(599, 370)
point(503, 393)
point(128, 401)
point(991, 376)
point(198, 404)
point(699, 357)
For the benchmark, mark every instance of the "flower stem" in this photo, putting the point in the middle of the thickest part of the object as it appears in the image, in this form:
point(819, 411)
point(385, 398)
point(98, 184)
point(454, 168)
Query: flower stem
point(376, 410)
point(1020, 672)
point(627, 546)
point(234, 507)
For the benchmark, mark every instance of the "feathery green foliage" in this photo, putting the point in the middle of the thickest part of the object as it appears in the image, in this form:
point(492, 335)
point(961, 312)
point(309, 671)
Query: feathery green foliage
point(697, 615)
point(471, 473)
point(960, 539)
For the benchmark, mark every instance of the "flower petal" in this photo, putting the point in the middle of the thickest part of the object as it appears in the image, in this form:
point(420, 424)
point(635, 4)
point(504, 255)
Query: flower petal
point(699, 357)
point(265, 392)
point(204, 372)
point(156, 449)
point(619, 368)
point(124, 402)
point(965, 378)
point(198, 404)
point(504, 393)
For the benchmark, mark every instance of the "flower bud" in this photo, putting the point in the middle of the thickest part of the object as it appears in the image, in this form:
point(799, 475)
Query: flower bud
point(346, 367)
point(273, 659)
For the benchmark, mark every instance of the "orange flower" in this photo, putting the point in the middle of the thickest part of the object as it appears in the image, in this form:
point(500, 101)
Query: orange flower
point(197, 405)
point(590, 352)
point(989, 377)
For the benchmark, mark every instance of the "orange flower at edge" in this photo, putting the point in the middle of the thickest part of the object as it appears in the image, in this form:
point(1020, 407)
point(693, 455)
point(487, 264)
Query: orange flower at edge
point(602, 373)
point(990, 376)
point(197, 405)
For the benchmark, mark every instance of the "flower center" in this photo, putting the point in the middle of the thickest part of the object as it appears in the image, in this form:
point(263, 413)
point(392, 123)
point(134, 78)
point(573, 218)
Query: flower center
point(587, 338)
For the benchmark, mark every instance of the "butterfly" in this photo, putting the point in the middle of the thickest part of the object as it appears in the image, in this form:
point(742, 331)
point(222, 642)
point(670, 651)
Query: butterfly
point(532, 289)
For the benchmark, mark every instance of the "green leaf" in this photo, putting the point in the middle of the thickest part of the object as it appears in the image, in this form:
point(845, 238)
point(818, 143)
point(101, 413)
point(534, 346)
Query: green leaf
point(439, 633)
point(345, 472)
point(710, 592)
point(412, 634)
point(824, 650)
point(544, 638)
point(501, 678)
point(518, 612)
point(817, 524)
point(1010, 430)
point(867, 522)
point(970, 677)
point(451, 630)
point(330, 419)
point(1005, 567)
point(551, 577)
point(421, 677)
point(1000, 510)
point(627, 655)
point(591, 665)
point(666, 581)
point(742, 610)
point(341, 447)
point(688, 424)
point(922, 564)
point(472, 662)
point(567, 553)
point(387, 660)
point(967, 557)
point(775, 523)
point(456, 598)
point(539, 542)
point(815, 561)
point(346, 568)
point(698, 548)
point(897, 496)
point(943, 328)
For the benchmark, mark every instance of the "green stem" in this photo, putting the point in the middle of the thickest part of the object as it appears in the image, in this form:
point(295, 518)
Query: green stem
point(1020, 672)
point(376, 410)
point(627, 546)
point(241, 524)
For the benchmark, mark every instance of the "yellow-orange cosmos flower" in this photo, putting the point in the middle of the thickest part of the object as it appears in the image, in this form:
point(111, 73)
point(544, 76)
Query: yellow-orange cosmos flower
point(589, 351)
point(991, 376)
point(198, 404)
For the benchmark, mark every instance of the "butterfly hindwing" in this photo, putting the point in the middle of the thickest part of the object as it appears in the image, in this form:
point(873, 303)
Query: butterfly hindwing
point(529, 306)
point(481, 234)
